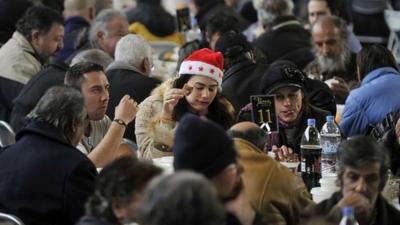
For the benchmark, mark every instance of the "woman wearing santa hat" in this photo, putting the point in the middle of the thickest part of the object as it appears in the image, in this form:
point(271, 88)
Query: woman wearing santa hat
point(196, 90)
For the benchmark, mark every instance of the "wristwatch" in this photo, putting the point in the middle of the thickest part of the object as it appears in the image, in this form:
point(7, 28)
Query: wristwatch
point(120, 122)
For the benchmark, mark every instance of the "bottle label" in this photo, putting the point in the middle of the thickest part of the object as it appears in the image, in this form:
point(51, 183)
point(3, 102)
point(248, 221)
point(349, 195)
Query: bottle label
point(311, 165)
point(329, 147)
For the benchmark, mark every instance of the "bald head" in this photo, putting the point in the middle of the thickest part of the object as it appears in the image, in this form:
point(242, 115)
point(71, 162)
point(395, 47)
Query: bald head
point(244, 126)
point(250, 132)
point(330, 24)
point(82, 8)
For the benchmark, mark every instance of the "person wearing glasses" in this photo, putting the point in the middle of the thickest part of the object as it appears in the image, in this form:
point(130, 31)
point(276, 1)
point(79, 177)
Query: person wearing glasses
point(196, 90)
point(130, 73)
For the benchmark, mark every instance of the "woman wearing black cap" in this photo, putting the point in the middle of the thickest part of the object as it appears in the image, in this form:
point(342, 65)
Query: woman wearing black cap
point(284, 80)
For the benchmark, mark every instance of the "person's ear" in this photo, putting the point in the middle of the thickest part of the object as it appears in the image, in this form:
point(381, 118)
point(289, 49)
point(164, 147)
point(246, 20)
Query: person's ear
point(100, 35)
point(146, 66)
point(35, 35)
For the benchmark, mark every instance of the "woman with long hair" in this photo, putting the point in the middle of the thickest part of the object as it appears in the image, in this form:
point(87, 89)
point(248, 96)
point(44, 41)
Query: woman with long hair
point(196, 90)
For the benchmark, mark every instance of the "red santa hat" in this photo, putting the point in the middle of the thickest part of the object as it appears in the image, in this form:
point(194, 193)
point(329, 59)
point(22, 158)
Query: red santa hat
point(204, 62)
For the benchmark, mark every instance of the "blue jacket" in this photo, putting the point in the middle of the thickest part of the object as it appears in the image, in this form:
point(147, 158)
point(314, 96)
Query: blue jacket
point(378, 95)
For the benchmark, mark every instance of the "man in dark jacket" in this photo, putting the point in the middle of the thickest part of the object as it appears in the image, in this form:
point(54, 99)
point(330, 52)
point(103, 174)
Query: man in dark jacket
point(51, 76)
point(242, 73)
point(334, 60)
point(362, 174)
point(44, 179)
point(285, 37)
point(129, 74)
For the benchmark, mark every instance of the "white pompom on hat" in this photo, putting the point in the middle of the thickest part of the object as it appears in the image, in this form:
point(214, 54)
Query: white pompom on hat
point(204, 62)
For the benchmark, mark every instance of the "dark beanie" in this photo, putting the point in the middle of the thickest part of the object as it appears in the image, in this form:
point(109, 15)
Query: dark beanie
point(202, 146)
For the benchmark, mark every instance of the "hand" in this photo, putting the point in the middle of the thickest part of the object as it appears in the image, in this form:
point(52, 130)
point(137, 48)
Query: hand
point(171, 98)
point(361, 204)
point(126, 109)
point(341, 87)
point(282, 153)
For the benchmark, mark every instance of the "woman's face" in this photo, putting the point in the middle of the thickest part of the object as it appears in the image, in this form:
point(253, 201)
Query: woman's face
point(203, 93)
point(289, 101)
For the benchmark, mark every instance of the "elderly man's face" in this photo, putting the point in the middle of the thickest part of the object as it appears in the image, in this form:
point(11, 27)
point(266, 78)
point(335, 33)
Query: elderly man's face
point(289, 101)
point(364, 180)
point(327, 41)
point(117, 28)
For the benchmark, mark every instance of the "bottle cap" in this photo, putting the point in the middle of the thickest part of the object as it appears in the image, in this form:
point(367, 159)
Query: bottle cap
point(347, 211)
point(311, 122)
point(330, 118)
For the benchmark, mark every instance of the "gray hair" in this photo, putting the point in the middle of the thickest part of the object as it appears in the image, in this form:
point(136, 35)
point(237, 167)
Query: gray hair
point(269, 10)
point(132, 49)
point(61, 107)
point(100, 23)
point(188, 193)
point(93, 56)
point(361, 150)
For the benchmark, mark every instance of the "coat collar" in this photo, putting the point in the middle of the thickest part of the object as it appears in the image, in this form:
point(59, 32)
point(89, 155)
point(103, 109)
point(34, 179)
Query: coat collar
point(42, 129)
point(378, 73)
point(123, 65)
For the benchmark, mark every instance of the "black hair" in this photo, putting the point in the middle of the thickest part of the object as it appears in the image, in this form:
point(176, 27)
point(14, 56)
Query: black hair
point(222, 23)
point(116, 183)
point(235, 47)
point(374, 57)
point(38, 18)
point(74, 75)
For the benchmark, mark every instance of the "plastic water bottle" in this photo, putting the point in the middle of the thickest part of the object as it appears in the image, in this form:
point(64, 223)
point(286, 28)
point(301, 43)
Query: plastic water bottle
point(310, 149)
point(194, 33)
point(348, 217)
point(330, 140)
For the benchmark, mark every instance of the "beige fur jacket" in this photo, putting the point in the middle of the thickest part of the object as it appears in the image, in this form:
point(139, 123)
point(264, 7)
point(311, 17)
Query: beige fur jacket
point(154, 137)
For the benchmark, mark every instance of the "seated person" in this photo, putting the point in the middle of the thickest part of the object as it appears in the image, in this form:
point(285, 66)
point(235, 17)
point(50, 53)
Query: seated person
point(102, 137)
point(362, 174)
point(334, 59)
point(292, 106)
point(119, 192)
point(188, 193)
point(44, 179)
point(197, 90)
point(273, 190)
point(378, 93)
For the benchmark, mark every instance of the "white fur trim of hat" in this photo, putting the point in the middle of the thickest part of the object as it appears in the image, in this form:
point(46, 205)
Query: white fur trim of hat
point(204, 62)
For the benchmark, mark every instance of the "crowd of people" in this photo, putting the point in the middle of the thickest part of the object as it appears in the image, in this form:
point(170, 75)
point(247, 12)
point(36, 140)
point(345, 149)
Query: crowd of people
point(79, 87)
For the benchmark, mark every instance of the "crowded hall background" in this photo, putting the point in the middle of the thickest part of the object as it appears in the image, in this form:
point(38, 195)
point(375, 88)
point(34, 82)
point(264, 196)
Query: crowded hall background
point(199, 112)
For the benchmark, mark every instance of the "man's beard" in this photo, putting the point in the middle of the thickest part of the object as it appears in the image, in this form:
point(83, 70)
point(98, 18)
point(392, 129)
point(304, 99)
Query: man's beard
point(331, 63)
